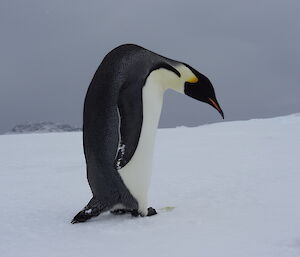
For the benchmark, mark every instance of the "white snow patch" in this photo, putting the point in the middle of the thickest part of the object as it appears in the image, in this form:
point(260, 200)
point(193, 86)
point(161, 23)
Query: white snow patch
point(234, 186)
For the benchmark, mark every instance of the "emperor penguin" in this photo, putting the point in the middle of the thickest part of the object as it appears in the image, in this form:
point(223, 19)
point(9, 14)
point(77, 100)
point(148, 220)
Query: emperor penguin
point(121, 113)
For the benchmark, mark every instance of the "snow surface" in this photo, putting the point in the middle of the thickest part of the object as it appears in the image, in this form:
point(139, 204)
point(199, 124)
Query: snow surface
point(235, 187)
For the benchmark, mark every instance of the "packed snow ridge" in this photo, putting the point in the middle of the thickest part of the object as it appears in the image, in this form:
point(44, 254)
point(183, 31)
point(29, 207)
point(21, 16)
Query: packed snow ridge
point(228, 189)
point(42, 127)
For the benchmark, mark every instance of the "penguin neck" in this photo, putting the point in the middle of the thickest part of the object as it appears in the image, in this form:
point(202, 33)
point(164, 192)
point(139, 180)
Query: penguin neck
point(153, 95)
point(163, 79)
point(157, 83)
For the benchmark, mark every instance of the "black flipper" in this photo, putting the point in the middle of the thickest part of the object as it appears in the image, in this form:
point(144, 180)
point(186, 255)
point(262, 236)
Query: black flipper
point(130, 107)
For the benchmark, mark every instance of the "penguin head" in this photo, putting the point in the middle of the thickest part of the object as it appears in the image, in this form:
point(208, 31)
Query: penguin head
point(200, 88)
point(186, 80)
point(194, 84)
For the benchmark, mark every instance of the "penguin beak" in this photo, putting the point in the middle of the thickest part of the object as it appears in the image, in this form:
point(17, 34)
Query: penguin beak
point(214, 103)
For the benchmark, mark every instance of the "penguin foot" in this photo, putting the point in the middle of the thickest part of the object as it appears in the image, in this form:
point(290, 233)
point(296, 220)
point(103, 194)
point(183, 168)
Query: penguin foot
point(120, 211)
point(85, 215)
point(134, 213)
point(151, 211)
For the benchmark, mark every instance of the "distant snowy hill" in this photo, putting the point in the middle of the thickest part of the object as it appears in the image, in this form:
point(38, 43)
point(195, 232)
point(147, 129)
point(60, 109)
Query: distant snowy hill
point(235, 187)
point(42, 127)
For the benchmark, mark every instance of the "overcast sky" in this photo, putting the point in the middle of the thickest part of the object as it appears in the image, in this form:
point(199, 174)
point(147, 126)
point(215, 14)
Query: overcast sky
point(49, 51)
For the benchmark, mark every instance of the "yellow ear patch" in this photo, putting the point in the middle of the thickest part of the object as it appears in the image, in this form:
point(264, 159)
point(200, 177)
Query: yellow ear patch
point(193, 80)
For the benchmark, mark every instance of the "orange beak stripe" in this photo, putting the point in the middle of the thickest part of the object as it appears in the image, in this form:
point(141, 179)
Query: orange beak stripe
point(214, 104)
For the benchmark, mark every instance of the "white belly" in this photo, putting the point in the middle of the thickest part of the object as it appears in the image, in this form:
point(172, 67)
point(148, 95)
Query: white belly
point(137, 173)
